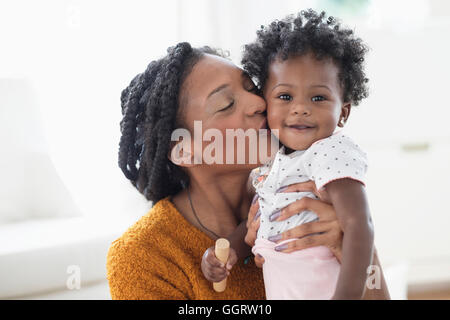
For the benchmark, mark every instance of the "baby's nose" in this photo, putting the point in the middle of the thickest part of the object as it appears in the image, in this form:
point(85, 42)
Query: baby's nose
point(300, 109)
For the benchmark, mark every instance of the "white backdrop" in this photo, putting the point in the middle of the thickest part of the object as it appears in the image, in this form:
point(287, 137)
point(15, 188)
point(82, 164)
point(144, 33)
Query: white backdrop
point(79, 55)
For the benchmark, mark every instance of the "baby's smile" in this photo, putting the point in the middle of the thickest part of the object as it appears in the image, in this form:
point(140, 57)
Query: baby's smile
point(298, 135)
point(299, 126)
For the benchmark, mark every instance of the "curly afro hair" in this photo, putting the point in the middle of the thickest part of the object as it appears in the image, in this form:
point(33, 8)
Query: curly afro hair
point(310, 32)
point(150, 107)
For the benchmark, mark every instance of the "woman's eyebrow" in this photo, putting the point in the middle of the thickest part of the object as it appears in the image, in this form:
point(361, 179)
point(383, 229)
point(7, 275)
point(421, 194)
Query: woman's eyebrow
point(244, 76)
point(219, 88)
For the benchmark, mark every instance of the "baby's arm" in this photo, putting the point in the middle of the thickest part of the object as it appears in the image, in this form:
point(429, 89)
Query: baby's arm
point(348, 197)
point(212, 268)
point(237, 241)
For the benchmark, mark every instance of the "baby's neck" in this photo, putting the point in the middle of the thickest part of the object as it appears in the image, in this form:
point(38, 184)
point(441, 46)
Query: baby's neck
point(288, 150)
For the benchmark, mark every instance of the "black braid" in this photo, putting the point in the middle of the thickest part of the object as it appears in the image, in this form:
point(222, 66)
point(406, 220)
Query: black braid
point(149, 107)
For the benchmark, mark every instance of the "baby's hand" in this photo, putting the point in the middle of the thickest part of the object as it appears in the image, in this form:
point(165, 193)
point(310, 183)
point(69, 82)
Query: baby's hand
point(213, 269)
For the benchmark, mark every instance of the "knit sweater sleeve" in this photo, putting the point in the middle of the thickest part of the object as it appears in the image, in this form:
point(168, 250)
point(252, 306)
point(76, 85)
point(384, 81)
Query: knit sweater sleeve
point(138, 273)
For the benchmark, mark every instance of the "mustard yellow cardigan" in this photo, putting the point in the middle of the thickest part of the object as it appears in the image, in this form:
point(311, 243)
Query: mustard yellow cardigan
point(159, 258)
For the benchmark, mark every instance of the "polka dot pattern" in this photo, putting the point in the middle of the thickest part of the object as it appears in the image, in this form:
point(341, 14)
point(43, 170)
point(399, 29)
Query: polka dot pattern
point(342, 158)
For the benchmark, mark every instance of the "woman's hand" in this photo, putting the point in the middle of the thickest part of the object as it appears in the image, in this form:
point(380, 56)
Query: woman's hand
point(253, 221)
point(330, 232)
point(324, 232)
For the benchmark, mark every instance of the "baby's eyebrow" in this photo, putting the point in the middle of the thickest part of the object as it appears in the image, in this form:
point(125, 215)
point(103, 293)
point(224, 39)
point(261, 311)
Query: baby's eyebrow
point(320, 86)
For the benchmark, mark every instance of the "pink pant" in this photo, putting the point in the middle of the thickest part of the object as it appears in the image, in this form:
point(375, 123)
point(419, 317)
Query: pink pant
point(309, 274)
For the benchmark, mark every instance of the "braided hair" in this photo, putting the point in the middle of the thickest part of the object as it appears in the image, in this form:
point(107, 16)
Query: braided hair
point(310, 31)
point(150, 107)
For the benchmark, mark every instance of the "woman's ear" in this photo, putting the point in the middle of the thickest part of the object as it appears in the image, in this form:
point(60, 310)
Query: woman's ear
point(180, 154)
point(345, 113)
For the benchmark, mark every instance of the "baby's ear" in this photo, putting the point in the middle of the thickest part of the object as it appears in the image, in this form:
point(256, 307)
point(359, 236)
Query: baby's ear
point(345, 113)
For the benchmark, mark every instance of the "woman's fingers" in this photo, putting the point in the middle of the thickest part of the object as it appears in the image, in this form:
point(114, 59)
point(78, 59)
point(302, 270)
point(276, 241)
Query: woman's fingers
point(330, 239)
point(323, 210)
point(253, 221)
point(324, 233)
point(308, 186)
point(252, 231)
point(299, 244)
point(253, 211)
point(303, 230)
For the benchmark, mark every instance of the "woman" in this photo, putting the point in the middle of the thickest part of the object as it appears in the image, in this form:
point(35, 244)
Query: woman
point(159, 257)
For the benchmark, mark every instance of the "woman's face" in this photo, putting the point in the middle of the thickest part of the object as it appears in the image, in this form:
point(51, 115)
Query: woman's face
point(222, 98)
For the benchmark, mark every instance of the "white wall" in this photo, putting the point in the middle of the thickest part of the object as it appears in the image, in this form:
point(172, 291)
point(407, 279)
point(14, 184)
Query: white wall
point(79, 55)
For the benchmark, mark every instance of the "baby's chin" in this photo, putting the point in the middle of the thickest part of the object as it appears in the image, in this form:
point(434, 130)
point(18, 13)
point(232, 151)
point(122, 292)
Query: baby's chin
point(291, 147)
point(295, 143)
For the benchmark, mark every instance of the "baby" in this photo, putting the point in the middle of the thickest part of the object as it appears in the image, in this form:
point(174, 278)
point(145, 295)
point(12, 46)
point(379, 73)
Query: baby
point(310, 72)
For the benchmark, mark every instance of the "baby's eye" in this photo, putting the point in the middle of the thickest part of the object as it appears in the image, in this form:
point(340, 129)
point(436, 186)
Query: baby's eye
point(317, 98)
point(285, 97)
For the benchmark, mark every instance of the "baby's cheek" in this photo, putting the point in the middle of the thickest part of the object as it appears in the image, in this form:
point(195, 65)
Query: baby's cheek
point(274, 120)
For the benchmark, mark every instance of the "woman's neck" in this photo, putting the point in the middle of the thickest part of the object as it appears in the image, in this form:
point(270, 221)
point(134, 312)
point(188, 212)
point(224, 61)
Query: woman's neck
point(220, 202)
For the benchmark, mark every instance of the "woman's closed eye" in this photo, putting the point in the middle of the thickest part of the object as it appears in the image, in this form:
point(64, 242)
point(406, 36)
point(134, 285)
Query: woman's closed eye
point(227, 107)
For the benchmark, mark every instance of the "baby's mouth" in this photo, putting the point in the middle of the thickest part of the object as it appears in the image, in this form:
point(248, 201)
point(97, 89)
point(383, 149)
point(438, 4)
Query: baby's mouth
point(300, 127)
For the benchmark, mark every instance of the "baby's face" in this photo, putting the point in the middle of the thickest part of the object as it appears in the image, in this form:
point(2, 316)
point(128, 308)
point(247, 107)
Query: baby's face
point(304, 100)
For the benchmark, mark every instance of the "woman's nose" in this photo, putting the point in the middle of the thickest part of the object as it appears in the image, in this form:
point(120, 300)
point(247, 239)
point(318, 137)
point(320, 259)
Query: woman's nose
point(256, 106)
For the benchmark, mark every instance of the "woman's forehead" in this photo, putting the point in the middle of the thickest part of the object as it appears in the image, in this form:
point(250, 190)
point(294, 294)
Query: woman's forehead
point(211, 70)
point(213, 61)
point(207, 74)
